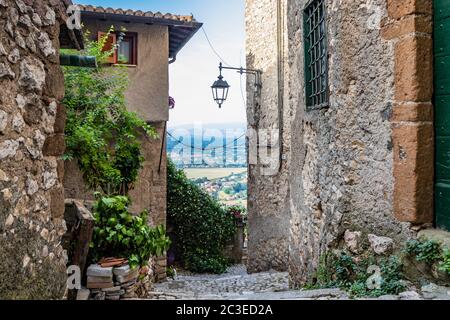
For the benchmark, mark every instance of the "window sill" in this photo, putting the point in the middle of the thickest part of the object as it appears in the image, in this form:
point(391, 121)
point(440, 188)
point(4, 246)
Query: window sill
point(124, 65)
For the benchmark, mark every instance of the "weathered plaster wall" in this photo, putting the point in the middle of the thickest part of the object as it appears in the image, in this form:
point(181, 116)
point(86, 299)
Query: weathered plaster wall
point(150, 191)
point(268, 202)
point(32, 260)
point(148, 93)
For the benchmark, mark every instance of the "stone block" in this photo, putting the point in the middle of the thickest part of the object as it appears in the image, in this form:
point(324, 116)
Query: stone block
point(55, 145)
point(412, 112)
point(408, 25)
point(122, 271)
point(352, 240)
point(94, 270)
point(54, 85)
point(413, 172)
point(131, 276)
point(400, 8)
point(57, 205)
point(440, 236)
point(83, 294)
point(60, 120)
point(99, 285)
point(93, 279)
point(414, 69)
point(115, 292)
point(381, 245)
point(113, 289)
point(409, 295)
point(60, 169)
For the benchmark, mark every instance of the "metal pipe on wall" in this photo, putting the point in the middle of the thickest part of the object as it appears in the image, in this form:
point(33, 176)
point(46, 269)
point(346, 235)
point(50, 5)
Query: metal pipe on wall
point(280, 67)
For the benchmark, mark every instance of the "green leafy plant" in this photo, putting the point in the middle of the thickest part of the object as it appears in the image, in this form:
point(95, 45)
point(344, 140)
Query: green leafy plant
point(171, 272)
point(427, 251)
point(100, 133)
point(351, 274)
point(430, 252)
point(444, 266)
point(201, 224)
point(117, 233)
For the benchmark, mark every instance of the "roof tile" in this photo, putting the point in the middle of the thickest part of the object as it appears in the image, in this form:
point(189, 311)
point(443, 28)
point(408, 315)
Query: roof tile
point(138, 13)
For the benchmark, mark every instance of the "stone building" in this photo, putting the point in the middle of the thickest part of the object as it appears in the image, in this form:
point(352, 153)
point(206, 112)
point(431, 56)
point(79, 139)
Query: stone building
point(151, 42)
point(348, 85)
point(32, 260)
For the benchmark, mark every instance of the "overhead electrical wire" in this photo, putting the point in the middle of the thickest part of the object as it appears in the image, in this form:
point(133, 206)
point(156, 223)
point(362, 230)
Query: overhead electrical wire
point(243, 99)
point(213, 49)
point(208, 149)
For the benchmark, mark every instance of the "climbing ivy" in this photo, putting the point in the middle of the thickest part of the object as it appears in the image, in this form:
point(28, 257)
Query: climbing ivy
point(100, 133)
point(201, 224)
point(103, 137)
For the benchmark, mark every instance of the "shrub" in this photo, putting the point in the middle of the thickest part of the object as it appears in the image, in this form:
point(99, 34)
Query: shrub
point(117, 233)
point(202, 226)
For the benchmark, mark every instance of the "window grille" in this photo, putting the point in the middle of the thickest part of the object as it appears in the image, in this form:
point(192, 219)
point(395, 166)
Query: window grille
point(316, 55)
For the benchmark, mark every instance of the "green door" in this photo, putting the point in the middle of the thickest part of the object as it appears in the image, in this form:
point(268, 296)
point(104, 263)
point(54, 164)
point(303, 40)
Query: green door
point(442, 111)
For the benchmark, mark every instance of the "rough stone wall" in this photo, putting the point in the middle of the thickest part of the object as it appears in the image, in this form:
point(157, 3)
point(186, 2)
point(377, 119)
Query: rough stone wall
point(409, 27)
point(339, 174)
point(32, 260)
point(268, 189)
point(343, 162)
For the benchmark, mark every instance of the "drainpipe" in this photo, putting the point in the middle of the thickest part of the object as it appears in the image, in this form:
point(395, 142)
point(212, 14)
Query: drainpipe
point(78, 61)
point(280, 67)
point(162, 147)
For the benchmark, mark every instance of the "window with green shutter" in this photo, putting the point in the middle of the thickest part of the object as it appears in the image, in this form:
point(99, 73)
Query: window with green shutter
point(316, 55)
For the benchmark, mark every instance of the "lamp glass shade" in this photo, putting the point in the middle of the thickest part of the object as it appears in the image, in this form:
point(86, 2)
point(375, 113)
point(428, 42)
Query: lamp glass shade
point(220, 90)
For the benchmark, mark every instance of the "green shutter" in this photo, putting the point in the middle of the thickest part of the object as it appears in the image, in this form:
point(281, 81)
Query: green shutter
point(442, 111)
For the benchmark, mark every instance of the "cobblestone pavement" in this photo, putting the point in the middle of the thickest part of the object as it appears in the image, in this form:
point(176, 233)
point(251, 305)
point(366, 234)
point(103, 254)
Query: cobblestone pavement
point(236, 284)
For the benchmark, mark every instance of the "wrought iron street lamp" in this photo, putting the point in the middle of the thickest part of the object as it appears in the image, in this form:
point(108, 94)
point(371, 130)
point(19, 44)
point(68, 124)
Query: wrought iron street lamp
point(220, 87)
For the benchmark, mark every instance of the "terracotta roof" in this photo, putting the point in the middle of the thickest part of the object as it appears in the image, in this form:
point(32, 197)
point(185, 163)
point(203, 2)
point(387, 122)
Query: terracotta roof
point(137, 13)
point(181, 28)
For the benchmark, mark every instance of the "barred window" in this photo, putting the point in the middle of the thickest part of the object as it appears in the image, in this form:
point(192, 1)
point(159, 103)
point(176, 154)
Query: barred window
point(316, 55)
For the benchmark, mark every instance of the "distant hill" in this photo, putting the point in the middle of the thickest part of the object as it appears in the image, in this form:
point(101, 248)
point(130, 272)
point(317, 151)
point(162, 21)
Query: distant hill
point(211, 126)
point(185, 143)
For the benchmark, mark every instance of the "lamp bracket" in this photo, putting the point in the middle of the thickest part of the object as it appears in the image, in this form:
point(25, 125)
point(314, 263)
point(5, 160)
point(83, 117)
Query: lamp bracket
point(257, 73)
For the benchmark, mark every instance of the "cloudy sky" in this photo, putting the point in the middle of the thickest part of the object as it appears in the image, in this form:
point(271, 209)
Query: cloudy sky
point(196, 67)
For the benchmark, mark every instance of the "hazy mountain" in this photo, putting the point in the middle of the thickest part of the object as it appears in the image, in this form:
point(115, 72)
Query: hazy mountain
point(228, 144)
